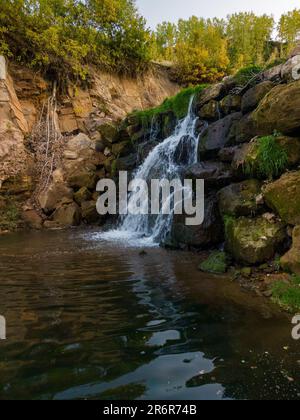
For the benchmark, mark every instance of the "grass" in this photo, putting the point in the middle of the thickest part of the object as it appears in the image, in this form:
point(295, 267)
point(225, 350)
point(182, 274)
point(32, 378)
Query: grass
point(271, 159)
point(216, 263)
point(177, 104)
point(9, 217)
point(287, 295)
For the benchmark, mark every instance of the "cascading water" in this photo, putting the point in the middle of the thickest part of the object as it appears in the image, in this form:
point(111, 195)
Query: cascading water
point(166, 161)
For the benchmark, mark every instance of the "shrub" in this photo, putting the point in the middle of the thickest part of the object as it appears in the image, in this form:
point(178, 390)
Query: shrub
point(246, 74)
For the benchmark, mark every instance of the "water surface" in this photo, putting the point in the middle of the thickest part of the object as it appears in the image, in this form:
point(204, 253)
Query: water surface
point(92, 319)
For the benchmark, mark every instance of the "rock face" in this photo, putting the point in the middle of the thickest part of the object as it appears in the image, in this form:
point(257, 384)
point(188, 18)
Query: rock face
point(279, 110)
point(283, 196)
point(254, 241)
point(291, 260)
point(240, 199)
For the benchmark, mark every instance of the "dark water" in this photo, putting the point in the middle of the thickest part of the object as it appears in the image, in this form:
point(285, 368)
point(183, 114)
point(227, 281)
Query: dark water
point(88, 319)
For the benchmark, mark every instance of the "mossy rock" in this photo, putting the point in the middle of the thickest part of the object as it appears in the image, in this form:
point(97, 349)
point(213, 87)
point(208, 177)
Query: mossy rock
point(231, 103)
point(109, 133)
point(283, 196)
point(254, 95)
point(210, 111)
point(122, 149)
point(82, 195)
point(216, 263)
point(290, 262)
point(287, 294)
point(240, 199)
point(254, 241)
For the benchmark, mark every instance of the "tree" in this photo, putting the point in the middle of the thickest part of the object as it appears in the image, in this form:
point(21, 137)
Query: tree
point(289, 31)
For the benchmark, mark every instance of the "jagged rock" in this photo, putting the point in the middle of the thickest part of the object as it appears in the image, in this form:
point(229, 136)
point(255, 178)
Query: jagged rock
point(122, 149)
point(217, 136)
point(283, 196)
point(32, 219)
point(68, 214)
point(210, 111)
point(215, 174)
point(254, 95)
point(273, 74)
point(82, 195)
point(109, 133)
point(230, 104)
point(253, 241)
point(205, 235)
point(89, 212)
point(290, 69)
point(240, 199)
point(50, 199)
point(291, 260)
point(279, 110)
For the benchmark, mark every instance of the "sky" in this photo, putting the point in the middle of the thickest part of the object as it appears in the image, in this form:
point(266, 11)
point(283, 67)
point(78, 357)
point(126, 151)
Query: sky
point(156, 11)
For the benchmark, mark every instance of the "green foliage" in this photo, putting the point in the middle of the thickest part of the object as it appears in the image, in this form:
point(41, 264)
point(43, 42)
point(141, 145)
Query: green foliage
point(63, 37)
point(216, 263)
point(288, 31)
point(246, 74)
point(287, 294)
point(270, 159)
point(177, 104)
point(9, 217)
point(228, 221)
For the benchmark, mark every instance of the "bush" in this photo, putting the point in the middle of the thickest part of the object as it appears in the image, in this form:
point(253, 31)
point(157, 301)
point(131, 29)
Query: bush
point(287, 295)
point(246, 74)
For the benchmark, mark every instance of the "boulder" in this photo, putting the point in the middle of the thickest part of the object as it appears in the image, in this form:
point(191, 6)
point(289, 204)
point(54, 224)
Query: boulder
point(290, 70)
point(217, 136)
point(127, 163)
point(215, 174)
point(32, 219)
point(213, 92)
point(80, 173)
point(145, 149)
point(230, 104)
point(122, 149)
point(283, 196)
point(68, 214)
point(210, 111)
point(243, 130)
point(254, 95)
point(109, 133)
point(240, 199)
point(202, 236)
point(273, 74)
point(53, 195)
point(227, 154)
point(291, 260)
point(89, 212)
point(253, 241)
point(82, 195)
point(279, 110)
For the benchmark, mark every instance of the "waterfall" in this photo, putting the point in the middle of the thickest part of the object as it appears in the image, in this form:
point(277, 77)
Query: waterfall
point(166, 161)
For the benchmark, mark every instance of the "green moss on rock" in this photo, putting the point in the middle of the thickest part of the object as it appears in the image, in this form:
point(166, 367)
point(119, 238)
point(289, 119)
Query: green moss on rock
point(287, 294)
point(217, 263)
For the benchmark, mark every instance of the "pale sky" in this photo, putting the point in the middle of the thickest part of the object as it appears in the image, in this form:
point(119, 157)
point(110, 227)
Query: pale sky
point(156, 11)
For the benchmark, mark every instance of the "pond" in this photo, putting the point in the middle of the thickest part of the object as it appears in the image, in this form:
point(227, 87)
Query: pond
point(92, 319)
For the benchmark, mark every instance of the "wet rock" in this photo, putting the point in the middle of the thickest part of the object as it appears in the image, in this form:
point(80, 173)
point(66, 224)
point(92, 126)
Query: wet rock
point(210, 111)
point(230, 104)
point(215, 174)
point(216, 263)
point(68, 214)
point(290, 262)
point(217, 136)
point(145, 149)
point(254, 241)
point(240, 199)
point(127, 163)
point(279, 110)
point(254, 95)
point(283, 197)
point(183, 151)
point(207, 234)
point(32, 219)
point(109, 133)
point(89, 212)
point(82, 195)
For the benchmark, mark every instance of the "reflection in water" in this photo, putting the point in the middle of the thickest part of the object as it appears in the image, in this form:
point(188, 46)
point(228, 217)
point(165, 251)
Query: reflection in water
point(89, 319)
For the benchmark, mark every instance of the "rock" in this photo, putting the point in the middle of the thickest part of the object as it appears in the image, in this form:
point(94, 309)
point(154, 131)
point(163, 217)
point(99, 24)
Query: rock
point(81, 174)
point(240, 199)
point(210, 111)
point(109, 133)
point(210, 93)
point(127, 163)
point(52, 196)
point(50, 225)
point(216, 263)
point(290, 70)
point(253, 241)
point(290, 262)
point(230, 104)
point(89, 212)
point(283, 197)
point(227, 154)
point(32, 219)
point(67, 215)
point(207, 234)
point(215, 174)
point(122, 149)
point(244, 130)
point(217, 136)
point(279, 110)
point(273, 74)
point(144, 150)
point(82, 195)
point(254, 95)
point(183, 150)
